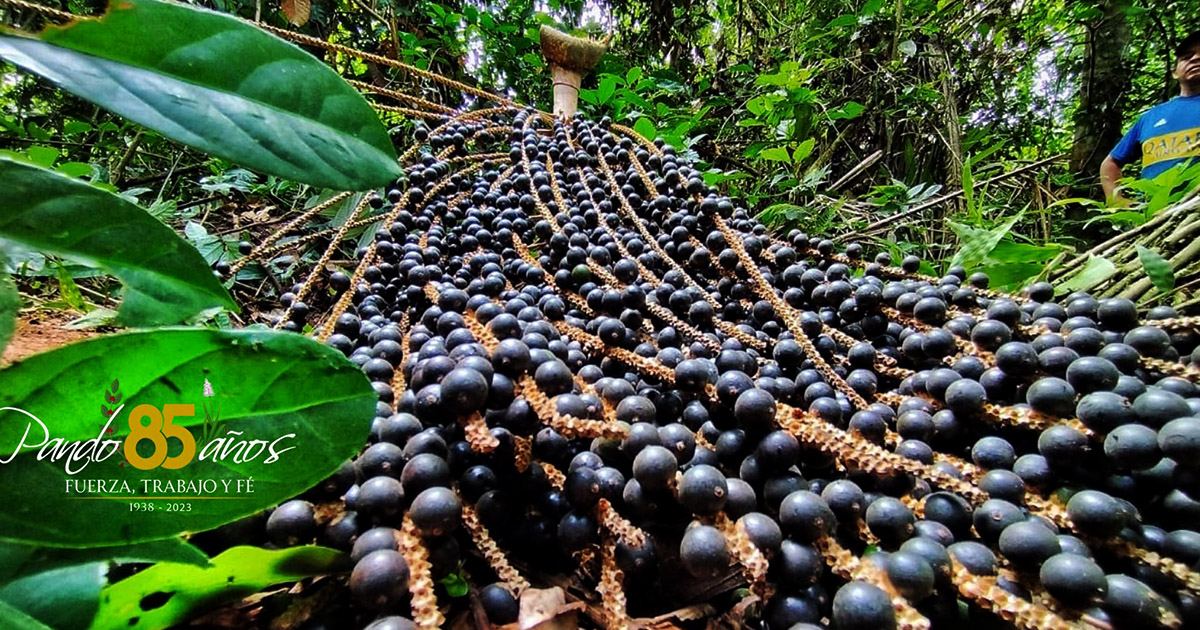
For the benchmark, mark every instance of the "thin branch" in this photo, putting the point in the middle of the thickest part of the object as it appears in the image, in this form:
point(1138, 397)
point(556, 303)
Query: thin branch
point(893, 219)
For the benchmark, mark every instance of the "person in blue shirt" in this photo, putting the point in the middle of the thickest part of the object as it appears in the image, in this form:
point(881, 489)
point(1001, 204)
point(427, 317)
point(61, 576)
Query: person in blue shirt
point(1166, 134)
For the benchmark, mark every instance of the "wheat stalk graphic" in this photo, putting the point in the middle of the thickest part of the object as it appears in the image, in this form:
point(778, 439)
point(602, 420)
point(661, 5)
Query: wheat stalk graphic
point(212, 420)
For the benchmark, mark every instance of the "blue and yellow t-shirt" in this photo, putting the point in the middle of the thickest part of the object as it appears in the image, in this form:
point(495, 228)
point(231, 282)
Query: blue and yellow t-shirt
point(1164, 136)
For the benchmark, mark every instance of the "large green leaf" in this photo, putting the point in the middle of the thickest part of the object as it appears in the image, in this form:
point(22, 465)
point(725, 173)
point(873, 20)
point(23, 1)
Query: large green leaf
point(66, 598)
point(218, 84)
point(166, 280)
point(17, 561)
point(265, 385)
point(168, 594)
point(15, 619)
point(1157, 268)
point(10, 302)
point(61, 587)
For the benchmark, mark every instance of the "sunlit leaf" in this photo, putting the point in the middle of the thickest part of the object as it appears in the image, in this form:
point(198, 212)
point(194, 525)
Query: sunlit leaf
point(645, 128)
point(608, 86)
point(803, 151)
point(1096, 270)
point(776, 154)
point(180, 591)
point(44, 157)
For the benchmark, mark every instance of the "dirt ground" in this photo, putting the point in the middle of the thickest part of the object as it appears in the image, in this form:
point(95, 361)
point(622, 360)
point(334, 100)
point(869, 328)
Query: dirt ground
point(39, 332)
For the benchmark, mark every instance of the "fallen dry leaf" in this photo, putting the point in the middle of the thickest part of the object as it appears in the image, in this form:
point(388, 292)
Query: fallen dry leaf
point(546, 609)
point(297, 11)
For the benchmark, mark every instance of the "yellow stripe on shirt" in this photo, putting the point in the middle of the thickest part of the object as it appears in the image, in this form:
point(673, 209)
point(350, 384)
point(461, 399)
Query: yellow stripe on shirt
point(1171, 146)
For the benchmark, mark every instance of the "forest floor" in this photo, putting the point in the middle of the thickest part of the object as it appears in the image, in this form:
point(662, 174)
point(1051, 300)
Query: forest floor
point(39, 331)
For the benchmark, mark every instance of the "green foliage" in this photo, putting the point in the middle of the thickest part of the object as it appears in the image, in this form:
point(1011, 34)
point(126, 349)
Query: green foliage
point(61, 587)
point(10, 301)
point(647, 102)
point(18, 561)
point(185, 590)
point(977, 243)
point(455, 584)
point(276, 108)
point(18, 620)
point(1157, 269)
point(65, 598)
point(270, 385)
point(165, 280)
point(49, 157)
point(1097, 269)
point(1151, 196)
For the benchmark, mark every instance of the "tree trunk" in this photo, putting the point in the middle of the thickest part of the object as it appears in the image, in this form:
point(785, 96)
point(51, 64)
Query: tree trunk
point(952, 127)
point(1103, 87)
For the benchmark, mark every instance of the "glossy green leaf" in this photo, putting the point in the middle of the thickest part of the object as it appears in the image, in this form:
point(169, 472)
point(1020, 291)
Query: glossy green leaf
point(776, 154)
point(604, 92)
point(803, 151)
point(1096, 270)
point(18, 620)
point(1157, 269)
point(220, 85)
point(645, 128)
point(166, 280)
point(288, 391)
point(17, 560)
point(75, 169)
point(10, 303)
point(43, 156)
point(168, 594)
point(73, 127)
point(65, 599)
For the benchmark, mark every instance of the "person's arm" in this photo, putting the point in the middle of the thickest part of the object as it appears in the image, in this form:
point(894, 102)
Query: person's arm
point(1127, 150)
point(1110, 172)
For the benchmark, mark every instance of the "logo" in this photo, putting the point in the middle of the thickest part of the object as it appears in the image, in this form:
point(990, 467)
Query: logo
point(148, 445)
